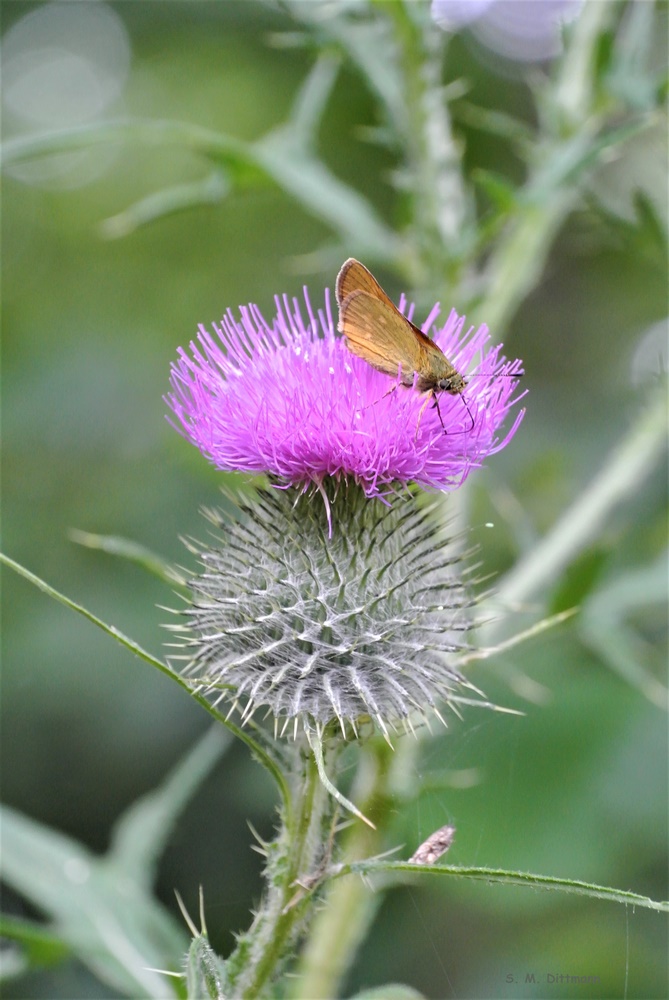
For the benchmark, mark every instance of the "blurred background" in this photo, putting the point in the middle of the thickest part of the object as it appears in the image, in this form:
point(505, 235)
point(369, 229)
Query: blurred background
point(93, 316)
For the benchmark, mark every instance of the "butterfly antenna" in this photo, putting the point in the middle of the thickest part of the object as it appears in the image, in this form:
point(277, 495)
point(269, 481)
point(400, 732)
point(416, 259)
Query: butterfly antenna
point(492, 375)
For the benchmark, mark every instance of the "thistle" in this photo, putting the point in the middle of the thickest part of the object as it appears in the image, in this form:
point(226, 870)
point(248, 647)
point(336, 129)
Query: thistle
point(336, 595)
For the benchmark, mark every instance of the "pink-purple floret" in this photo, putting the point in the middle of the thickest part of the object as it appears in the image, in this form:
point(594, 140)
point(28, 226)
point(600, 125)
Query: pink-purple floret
point(290, 400)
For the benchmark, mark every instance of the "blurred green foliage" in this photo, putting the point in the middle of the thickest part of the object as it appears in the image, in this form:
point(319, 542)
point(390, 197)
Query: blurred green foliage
point(577, 786)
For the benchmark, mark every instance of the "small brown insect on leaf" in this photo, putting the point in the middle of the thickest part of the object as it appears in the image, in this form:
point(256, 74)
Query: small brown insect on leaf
point(434, 847)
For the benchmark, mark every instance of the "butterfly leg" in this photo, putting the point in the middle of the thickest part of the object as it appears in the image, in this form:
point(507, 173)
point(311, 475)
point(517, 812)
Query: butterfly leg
point(392, 389)
point(471, 417)
point(429, 395)
point(441, 419)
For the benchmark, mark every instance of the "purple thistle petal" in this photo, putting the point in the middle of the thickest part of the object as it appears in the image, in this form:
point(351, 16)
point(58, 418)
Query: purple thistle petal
point(290, 400)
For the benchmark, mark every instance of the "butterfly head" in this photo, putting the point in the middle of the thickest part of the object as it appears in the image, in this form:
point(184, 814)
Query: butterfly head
point(454, 384)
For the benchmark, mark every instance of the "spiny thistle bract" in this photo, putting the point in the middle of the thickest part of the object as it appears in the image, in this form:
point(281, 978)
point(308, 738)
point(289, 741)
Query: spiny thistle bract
point(364, 623)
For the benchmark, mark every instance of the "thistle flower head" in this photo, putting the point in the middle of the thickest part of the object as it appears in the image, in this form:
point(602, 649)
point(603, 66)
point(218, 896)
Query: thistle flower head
point(287, 398)
point(310, 623)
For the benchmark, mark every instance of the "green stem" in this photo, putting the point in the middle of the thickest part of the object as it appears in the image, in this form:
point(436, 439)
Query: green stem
point(257, 747)
point(628, 465)
point(263, 949)
point(574, 86)
point(431, 155)
point(518, 261)
point(349, 906)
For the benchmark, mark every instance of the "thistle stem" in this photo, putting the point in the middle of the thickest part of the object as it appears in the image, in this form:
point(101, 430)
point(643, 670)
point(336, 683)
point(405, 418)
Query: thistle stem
point(432, 156)
point(349, 907)
point(630, 462)
point(518, 261)
point(293, 854)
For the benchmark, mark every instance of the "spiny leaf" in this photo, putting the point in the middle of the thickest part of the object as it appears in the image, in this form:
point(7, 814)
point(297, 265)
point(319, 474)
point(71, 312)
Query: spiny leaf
point(504, 877)
point(261, 747)
point(108, 921)
point(125, 548)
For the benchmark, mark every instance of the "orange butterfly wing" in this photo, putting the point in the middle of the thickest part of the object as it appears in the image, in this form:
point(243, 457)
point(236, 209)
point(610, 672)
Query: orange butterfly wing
point(378, 333)
point(354, 277)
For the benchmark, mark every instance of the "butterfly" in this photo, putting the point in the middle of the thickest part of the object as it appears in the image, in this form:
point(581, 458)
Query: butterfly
point(376, 331)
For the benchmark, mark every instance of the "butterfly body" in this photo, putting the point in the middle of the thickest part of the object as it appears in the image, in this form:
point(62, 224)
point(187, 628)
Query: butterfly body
point(376, 331)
